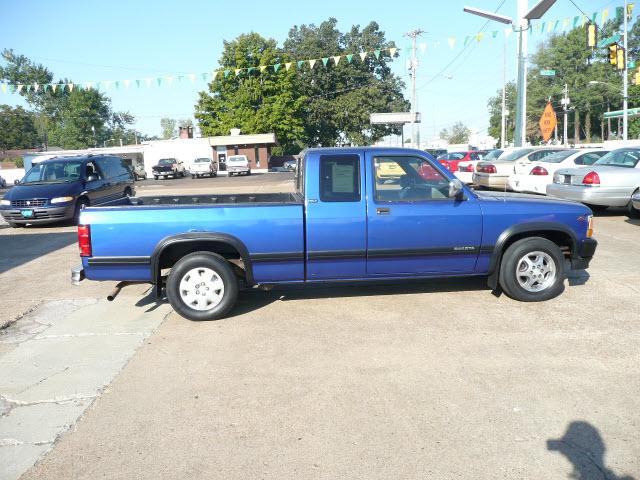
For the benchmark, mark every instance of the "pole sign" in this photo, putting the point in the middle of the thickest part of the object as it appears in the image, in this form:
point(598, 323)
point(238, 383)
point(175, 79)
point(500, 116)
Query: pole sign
point(548, 122)
point(548, 73)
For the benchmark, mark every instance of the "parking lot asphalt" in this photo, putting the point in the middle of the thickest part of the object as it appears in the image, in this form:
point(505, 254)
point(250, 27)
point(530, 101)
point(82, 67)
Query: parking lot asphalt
point(436, 379)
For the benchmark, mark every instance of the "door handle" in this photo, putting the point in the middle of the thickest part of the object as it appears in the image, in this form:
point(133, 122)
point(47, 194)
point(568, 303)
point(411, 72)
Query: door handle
point(383, 211)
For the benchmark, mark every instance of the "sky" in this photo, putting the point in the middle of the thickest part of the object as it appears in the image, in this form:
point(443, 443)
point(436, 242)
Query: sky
point(118, 40)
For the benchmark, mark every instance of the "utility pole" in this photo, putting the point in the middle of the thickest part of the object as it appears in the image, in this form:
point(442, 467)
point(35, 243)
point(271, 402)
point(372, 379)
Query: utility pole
point(413, 69)
point(625, 80)
point(565, 107)
point(521, 103)
point(503, 124)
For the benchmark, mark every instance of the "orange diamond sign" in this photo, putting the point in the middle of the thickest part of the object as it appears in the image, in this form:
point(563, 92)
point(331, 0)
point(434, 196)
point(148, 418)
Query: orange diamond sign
point(548, 122)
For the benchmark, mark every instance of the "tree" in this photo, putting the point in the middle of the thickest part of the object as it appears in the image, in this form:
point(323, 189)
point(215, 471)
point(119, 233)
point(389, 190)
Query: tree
point(168, 126)
point(495, 113)
point(17, 128)
point(341, 97)
point(254, 101)
point(459, 133)
point(75, 119)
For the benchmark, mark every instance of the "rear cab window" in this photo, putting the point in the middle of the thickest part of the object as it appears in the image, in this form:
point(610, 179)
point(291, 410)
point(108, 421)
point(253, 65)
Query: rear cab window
point(340, 178)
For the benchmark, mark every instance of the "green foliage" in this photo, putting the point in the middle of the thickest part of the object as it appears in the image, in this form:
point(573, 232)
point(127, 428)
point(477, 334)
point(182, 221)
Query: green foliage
point(17, 128)
point(327, 105)
point(168, 126)
point(253, 102)
point(459, 133)
point(341, 97)
point(495, 113)
point(68, 119)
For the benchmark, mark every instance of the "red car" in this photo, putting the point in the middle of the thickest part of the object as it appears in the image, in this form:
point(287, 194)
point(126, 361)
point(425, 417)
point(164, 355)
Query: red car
point(451, 160)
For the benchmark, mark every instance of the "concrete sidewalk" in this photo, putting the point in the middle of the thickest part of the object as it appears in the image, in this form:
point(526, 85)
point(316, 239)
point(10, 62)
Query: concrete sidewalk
point(54, 362)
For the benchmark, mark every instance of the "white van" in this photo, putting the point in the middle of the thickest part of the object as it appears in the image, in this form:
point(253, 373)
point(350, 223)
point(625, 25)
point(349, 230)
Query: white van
point(237, 164)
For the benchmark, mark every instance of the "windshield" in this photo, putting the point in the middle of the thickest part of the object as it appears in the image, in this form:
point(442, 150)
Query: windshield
point(202, 160)
point(558, 156)
point(510, 157)
point(627, 157)
point(53, 172)
point(166, 161)
point(493, 155)
point(238, 158)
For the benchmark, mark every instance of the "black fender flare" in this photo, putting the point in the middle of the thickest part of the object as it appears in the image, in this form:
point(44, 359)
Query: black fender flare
point(234, 242)
point(532, 227)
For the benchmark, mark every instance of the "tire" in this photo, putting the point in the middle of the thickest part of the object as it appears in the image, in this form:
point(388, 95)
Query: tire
point(182, 291)
point(597, 208)
point(249, 172)
point(536, 261)
point(155, 177)
point(193, 177)
point(631, 211)
point(214, 174)
point(230, 174)
point(80, 204)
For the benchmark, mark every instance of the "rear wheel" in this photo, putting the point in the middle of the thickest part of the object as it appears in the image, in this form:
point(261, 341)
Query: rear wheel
point(631, 210)
point(532, 270)
point(202, 286)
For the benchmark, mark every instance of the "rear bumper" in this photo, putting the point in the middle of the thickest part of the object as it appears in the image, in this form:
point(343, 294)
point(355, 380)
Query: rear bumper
point(77, 274)
point(490, 180)
point(40, 215)
point(464, 177)
point(605, 196)
point(528, 183)
point(586, 250)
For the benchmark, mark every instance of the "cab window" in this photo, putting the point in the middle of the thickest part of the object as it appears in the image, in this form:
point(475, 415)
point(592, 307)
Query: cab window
point(417, 181)
point(340, 178)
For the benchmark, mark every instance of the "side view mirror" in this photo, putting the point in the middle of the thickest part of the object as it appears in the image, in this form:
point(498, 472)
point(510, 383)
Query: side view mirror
point(92, 178)
point(455, 189)
point(16, 182)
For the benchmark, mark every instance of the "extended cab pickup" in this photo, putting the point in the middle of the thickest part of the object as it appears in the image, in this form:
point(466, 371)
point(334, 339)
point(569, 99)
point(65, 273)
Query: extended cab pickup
point(343, 223)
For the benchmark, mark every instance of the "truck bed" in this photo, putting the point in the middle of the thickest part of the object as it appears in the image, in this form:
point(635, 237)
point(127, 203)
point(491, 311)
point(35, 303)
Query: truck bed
point(222, 199)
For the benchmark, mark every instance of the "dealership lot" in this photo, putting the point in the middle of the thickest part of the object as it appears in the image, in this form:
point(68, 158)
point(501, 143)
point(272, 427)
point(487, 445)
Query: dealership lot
point(433, 379)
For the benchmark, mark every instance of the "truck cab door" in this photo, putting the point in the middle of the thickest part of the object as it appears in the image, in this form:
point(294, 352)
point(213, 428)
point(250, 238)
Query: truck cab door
point(335, 212)
point(414, 228)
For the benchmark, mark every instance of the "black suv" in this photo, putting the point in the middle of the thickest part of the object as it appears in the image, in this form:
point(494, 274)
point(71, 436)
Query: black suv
point(57, 189)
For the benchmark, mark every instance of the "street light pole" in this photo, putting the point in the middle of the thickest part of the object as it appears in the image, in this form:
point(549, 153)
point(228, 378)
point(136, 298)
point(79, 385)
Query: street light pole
point(565, 108)
point(414, 34)
point(503, 124)
point(625, 80)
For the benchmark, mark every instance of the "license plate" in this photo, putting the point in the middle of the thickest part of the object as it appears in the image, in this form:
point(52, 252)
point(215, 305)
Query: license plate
point(567, 179)
point(27, 213)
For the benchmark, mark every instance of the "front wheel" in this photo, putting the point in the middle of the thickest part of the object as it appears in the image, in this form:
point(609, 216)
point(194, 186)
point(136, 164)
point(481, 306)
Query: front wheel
point(202, 286)
point(631, 210)
point(532, 270)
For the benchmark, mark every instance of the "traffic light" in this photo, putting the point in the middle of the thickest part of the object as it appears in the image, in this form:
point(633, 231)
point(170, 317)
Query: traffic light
point(592, 35)
point(621, 60)
point(613, 54)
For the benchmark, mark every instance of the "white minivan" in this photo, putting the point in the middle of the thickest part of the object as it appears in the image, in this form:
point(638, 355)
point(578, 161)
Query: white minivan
point(237, 164)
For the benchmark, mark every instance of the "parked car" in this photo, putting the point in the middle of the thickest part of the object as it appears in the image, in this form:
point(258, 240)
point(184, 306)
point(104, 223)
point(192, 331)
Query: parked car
point(237, 164)
point(535, 176)
point(467, 167)
point(58, 189)
point(344, 223)
point(203, 166)
point(290, 165)
point(168, 167)
point(609, 182)
point(495, 173)
point(3, 182)
point(139, 172)
point(388, 172)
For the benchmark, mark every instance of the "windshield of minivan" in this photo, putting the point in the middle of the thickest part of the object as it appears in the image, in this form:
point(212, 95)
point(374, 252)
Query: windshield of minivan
point(558, 156)
point(166, 161)
point(510, 157)
point(627, 158)
point(53, 172)
point(202, 160)
point(237, 158)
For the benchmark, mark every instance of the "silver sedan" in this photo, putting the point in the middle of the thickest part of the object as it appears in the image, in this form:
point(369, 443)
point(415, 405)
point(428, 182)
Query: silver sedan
point(609, 182)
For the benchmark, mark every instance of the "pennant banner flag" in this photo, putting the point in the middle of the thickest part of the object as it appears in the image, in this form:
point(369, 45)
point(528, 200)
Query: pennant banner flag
point(312, 63)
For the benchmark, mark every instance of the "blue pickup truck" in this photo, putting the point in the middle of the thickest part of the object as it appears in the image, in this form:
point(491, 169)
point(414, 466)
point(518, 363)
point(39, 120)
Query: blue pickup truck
point(346, 222)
